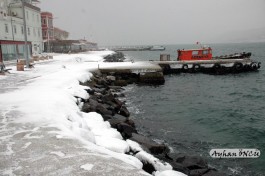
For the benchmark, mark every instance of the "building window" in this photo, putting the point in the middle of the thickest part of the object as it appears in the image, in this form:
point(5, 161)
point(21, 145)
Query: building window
point(50, 34)
point(22, 30)
point(28, 31)
point(14, 51)
point(44, 33)
point(50, 23)
point(21, 49)
point(44, 21)
point(6, 28)
point(34, 32)
point(9, 52)
point(15, 29)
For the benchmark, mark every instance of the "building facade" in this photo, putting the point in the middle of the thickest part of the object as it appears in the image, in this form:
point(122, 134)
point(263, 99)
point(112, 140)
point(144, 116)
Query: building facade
point(12, 31)
point(72, 46)
point(60, 34)
point(47, 29)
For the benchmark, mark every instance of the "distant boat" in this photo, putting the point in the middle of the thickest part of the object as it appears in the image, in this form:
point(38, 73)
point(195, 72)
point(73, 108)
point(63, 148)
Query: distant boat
point(157, 48)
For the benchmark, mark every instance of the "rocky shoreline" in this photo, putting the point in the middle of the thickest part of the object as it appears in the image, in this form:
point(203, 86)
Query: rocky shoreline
point(105, 93)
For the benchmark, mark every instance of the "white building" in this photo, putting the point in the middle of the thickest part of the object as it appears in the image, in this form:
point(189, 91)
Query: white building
point(12, 29)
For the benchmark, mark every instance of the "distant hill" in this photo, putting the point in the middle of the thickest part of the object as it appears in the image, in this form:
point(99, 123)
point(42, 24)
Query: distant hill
point(253, 35)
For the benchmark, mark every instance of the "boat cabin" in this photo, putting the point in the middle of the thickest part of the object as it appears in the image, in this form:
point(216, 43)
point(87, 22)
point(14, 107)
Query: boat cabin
point(195, 54)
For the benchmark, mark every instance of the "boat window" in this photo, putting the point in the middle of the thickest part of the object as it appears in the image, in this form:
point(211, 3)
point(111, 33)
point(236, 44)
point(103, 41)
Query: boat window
point(195, 53)
point(205, 52)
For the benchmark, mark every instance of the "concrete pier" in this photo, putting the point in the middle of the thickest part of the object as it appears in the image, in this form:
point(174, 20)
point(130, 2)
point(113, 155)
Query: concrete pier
point(134, 72)
point(156, 69)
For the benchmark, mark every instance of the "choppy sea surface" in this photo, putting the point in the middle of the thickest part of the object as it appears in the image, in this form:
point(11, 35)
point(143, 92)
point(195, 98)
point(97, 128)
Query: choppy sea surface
point(194, 113)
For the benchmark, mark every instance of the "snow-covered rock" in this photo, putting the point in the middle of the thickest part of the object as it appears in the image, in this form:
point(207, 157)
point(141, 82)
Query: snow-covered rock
point(134, 146)
point(113, 144)
point(157, 164)
point(109, 132)
point(169, 173)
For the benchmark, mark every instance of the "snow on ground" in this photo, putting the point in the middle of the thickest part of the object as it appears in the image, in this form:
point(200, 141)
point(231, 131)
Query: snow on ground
point(87, 167)
point(43, 131)
point(40, 120)
point(131, 65)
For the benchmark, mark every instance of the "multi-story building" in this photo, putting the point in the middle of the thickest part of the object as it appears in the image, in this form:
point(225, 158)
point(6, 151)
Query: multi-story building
point(72, 46)
point(47, 29)
point(60, 34)
point(55, 39)
point(12, 31)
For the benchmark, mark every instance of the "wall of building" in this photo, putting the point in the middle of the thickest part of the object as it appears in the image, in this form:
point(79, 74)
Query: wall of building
point(12, 27)
point(47, 26)
point(60, 34)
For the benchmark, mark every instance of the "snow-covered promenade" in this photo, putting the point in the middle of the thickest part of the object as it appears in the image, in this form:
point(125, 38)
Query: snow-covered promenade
point(43, 131)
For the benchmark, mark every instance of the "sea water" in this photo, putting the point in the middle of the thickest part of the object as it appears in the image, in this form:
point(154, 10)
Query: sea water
point(194, 113)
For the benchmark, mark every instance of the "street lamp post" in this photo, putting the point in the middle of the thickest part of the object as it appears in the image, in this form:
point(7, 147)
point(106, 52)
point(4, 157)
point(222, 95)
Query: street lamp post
point(26, 54)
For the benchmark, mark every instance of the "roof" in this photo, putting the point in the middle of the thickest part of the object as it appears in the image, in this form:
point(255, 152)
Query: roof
point(71, 42)
point(199, 49)
point(32, 7)
point(46, 14)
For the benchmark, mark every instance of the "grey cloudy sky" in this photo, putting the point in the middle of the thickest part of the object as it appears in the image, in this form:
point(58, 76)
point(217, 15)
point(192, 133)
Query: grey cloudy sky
point(141, 22)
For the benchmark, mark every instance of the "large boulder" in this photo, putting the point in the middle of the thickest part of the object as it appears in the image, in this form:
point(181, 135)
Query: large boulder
point(107, 117)
point(120, 83)
point(90, 91)
point(111, 78)
point(93, 101)
point(99, 86)
point(119, 95)
point(179, 167)
point(117, 120)
point(102, 110)
point(113, 106)
point(176, 166)
point(126, 130)
point(190, 162)
point(198, 172)
point(149, 144)
point(100, 90)
point(108, 97)
point(124, 112)
point(190, 165)
point(88, 108)
point(152, 78)
point(213, 172)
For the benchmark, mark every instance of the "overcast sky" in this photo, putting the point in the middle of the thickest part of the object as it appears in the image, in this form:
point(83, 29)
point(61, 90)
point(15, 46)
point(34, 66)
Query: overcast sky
point(143, 22)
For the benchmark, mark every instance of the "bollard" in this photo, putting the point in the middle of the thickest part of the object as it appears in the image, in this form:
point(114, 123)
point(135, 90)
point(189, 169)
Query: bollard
point(20, 65)
point(164, 57)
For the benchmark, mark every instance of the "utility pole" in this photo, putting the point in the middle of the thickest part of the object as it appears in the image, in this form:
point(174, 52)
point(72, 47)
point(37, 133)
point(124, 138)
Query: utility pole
point(26, 53)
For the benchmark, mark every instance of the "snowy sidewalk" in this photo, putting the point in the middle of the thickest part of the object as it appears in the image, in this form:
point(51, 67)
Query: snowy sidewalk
point(29, 150)
point(36, 137)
